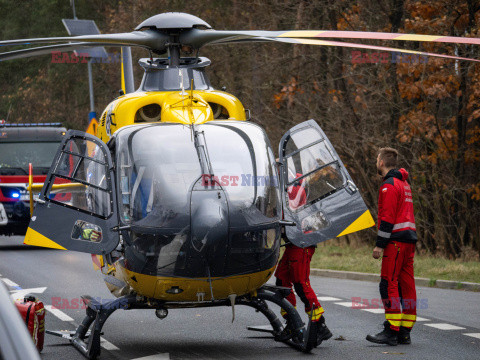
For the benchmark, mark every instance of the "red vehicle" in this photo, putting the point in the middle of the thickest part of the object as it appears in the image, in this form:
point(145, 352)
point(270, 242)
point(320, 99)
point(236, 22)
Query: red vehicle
point(21, 144)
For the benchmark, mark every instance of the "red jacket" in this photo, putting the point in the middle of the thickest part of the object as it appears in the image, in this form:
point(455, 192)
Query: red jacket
point(395, 210)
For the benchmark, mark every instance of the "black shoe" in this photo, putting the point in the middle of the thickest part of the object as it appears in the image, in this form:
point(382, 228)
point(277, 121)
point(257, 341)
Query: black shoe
point(387, 336)
point(404, 336)
point(323, 333)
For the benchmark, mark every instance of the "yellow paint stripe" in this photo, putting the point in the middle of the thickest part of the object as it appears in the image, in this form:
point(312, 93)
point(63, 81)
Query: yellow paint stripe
point(413, 37)
point(301, 33)
point(364, 221)
point(123, 72)
point(36, 239)
point(314, 42)
point(327, 43)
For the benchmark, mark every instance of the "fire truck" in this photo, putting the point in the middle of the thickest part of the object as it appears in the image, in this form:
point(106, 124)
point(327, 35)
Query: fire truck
point(21, 144)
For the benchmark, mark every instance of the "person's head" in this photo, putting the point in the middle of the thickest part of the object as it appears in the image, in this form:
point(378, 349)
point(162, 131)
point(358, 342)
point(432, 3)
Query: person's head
point(386, 160)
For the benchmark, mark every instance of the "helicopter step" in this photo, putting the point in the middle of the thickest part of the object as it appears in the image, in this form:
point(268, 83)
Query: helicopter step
point(86, 338)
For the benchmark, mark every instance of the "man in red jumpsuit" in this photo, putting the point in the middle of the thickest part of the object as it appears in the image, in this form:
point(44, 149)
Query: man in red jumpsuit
point(396, 238)
point(294, 270)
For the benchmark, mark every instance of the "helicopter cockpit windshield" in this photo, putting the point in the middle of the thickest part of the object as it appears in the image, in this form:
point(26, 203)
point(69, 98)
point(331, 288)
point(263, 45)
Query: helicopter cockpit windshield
point(159, 166)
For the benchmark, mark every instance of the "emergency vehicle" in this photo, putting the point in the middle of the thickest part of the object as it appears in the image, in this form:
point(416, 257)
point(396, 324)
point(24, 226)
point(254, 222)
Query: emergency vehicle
point(21, 144)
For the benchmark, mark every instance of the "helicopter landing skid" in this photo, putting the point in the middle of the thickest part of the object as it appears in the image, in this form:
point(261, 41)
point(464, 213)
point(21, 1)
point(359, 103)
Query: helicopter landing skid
point(86, 338)
point(88, 341)
point(299, 337)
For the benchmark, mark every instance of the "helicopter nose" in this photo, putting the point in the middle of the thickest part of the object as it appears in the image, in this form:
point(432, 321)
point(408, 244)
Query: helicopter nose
point(209, 220)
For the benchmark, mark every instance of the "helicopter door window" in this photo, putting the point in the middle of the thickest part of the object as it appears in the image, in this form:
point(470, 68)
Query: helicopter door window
point(313, 172)
point(79, 179)
point(83, 230)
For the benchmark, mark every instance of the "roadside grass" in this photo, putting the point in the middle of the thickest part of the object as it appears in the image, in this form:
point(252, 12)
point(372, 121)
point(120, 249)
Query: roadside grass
point(359, 258)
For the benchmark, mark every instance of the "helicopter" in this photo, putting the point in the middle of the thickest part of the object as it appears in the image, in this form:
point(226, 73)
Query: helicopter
point(179, 197)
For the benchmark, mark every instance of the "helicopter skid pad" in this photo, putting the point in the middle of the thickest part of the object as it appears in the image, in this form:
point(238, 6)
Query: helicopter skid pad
point(262, 328)
point(66, 334)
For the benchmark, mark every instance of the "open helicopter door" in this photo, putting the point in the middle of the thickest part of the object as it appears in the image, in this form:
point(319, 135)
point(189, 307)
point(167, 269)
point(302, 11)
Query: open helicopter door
point(77, 206)
point(318, 194)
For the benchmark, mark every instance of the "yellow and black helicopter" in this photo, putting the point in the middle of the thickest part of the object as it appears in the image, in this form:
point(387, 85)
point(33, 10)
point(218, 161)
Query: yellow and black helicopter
point(178, 197)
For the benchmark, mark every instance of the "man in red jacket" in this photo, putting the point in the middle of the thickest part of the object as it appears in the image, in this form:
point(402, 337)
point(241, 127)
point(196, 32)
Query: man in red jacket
point(396, 238)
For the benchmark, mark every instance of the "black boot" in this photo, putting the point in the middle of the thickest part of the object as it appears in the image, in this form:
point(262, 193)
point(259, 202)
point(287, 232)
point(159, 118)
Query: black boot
point(404, 336)
point(323, 333)
point(387, 336)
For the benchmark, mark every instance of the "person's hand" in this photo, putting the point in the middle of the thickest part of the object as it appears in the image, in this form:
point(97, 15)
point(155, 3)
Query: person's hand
point(377, 252)
point(95, 236)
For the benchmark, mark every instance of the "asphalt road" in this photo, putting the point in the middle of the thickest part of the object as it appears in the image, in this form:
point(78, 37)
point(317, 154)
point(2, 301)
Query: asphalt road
point(447, 317)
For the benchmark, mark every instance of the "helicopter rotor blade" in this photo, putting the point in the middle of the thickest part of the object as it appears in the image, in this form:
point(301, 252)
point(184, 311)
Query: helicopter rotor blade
point(199, 37)
point(340, 44)
point(368, 35)
point(47, 50)
point(370, 47)
point(151, 39)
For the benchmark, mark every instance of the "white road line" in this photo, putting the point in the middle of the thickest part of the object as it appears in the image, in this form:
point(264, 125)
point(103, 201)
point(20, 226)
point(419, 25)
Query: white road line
point(475, 335)
point(351, 305)
point(10, 282)
point(327, 298)
point(107, 345)
point(422, 319)
point(164, 356)
point(375, 311)
point(19, 294)
point(445, 326)
point(59, 314)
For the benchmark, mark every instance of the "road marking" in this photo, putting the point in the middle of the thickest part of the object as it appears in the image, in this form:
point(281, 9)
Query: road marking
point(375, 311)
point(422, 319)
point(20, 294)
point(351, 305)
point(475, 335)
point(164, 356)
point(327, 298)
point(107, 345)
point(11, 283)
point(59, 314)
point(444, 326)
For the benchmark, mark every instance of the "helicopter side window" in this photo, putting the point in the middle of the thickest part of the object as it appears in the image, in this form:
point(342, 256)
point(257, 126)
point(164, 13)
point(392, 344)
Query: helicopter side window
point(313, 172)
point(79, 179)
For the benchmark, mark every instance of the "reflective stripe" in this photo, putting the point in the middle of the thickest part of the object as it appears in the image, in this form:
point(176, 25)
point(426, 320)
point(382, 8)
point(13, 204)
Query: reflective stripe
point(404, 225)
point(317, 313)
point(409, 317)
point(384, 234)
point(393, 316)
point(407, 324)
point(395, 323)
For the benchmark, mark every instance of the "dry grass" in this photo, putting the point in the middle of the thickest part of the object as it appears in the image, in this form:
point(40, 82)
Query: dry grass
point(337, 256)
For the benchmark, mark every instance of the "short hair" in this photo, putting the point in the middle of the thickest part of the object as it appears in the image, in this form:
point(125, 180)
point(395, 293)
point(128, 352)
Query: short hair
point(389, 156)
